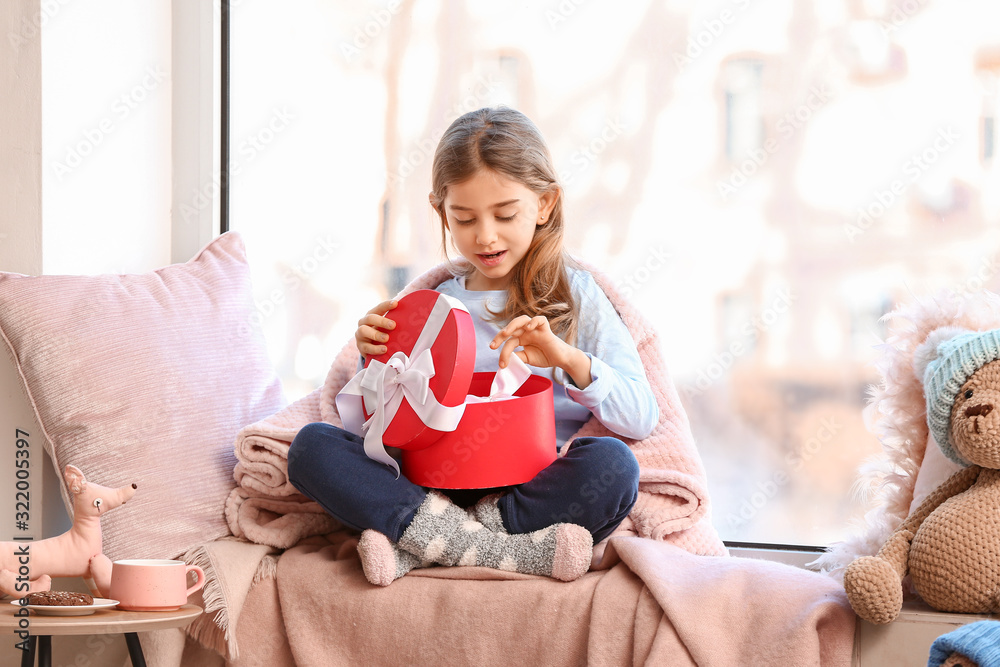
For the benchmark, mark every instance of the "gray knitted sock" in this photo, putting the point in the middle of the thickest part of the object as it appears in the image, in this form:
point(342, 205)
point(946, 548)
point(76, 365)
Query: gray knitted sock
point(487, 513)
point(443, 533)
point(382, 560)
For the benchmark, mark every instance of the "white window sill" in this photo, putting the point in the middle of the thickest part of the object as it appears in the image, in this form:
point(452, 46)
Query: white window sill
point(907, 640)
point(902, 643)
point(790, 555)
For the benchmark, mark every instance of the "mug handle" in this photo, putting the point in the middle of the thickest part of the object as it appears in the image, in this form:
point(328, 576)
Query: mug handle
point(201, 578)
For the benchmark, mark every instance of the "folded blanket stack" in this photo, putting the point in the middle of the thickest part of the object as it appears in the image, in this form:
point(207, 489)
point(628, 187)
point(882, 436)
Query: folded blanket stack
point(264, 507)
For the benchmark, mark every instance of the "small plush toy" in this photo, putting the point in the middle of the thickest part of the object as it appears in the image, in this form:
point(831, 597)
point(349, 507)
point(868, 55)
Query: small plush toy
point(26, 567)
point(949, 545)
point(973, 645)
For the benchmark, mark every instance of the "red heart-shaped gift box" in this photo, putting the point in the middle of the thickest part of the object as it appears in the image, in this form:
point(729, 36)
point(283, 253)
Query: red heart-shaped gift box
point(497, 443)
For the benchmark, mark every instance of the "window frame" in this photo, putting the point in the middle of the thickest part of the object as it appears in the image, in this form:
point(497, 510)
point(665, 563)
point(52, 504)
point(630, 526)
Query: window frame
point(199, 170)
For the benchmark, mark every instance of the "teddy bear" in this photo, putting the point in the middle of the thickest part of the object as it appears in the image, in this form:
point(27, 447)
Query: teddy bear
point(950, 544)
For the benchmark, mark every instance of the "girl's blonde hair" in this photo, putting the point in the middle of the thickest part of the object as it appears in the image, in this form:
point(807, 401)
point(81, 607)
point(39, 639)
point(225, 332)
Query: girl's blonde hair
point(507, 142)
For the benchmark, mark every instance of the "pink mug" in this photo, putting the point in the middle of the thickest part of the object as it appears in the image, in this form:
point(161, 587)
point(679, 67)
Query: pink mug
point(148, 584)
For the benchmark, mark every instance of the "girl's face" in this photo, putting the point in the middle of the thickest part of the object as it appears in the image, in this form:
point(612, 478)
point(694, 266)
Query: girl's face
point(492, 220)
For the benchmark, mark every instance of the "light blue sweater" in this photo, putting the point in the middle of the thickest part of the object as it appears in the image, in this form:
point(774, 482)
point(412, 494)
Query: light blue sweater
point(618, 395)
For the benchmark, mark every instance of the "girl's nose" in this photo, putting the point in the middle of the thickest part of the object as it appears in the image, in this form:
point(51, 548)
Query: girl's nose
point(485, 233)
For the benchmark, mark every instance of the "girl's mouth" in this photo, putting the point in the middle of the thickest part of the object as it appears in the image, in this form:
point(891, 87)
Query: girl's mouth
point(492, 259)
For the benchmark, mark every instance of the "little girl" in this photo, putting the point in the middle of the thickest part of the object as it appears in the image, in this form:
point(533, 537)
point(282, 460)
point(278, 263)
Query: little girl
point(495, 190)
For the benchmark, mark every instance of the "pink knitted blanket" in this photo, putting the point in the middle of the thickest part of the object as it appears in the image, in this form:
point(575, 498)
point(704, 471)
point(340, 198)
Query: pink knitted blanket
point(673, 503)
point(655, 605)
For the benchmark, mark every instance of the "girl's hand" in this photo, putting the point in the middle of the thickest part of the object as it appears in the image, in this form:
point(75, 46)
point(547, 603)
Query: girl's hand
point(370, 340)
point(542, 348)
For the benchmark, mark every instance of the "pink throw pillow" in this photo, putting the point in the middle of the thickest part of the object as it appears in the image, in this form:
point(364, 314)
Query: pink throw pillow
point(146, 379)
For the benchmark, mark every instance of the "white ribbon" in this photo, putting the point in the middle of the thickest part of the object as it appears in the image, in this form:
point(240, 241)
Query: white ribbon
point(505, 382)
point(380, 388)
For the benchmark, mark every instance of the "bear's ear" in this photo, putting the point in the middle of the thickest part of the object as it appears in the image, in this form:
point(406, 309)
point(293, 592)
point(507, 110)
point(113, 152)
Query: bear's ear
point(927, 351)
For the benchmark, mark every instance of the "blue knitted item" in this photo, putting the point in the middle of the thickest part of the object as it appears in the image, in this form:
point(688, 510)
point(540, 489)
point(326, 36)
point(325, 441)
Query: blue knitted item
point(979, 641)
point(957, 360)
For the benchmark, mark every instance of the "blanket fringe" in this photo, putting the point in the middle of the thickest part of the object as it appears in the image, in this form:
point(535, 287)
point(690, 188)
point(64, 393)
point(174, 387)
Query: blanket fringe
point(267, 569)
point(212, 629)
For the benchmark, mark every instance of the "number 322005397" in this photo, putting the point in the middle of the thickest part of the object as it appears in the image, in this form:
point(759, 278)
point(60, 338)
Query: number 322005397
point(22, 464)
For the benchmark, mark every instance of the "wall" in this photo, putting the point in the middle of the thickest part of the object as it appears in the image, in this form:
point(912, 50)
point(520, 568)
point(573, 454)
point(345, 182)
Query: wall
point(20, 140)
point(106, 105)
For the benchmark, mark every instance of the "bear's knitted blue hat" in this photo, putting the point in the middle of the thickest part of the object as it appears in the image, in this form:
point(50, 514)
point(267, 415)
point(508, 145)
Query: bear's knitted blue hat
point(950, 357)
point(979, 641)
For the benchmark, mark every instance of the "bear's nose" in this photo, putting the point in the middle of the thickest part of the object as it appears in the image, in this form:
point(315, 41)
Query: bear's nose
point(980, 410)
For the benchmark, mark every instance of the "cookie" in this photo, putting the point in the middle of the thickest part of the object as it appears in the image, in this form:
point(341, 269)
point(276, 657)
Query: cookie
point(59, 598)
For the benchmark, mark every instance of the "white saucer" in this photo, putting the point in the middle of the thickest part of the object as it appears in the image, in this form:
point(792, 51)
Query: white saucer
point(68, 610)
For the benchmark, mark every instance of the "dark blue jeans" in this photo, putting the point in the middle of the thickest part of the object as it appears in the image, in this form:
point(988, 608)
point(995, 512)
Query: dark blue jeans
point(594, 485)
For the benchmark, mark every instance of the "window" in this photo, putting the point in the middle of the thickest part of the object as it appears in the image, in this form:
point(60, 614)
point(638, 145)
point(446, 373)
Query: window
point(744, 125)
point(989, 137)
point(765, 272)
point(988, 68)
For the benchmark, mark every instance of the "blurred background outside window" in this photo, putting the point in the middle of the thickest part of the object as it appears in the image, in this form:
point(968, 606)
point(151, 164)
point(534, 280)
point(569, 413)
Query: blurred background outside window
point(764, 180)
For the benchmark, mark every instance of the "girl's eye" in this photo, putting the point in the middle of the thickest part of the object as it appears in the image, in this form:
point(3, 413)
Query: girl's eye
point(968, 393)
point(507, 219)
point(465, 222)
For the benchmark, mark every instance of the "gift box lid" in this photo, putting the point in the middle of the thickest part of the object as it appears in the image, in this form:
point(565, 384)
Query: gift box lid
point(428, 320)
